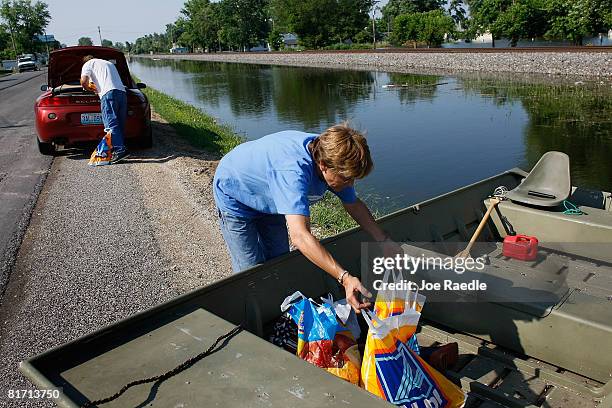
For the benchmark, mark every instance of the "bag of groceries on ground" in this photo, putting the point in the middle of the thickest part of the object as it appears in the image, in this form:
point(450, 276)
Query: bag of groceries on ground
point(103, 153)
point(391, 369)
point(322, 339)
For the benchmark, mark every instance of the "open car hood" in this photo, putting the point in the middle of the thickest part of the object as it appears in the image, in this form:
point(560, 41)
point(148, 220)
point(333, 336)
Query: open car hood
point(65, 64)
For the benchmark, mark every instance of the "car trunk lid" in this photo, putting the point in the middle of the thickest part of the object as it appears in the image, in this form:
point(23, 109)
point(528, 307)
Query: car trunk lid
point(65, 64)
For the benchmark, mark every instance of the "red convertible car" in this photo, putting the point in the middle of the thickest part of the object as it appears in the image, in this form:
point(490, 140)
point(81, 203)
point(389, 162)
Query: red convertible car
point(67, 114)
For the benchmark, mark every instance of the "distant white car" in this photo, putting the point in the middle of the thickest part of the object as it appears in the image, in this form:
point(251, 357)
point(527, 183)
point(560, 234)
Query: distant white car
point(27, 64)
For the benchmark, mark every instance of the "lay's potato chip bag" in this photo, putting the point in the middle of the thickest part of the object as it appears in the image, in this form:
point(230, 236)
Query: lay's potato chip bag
point(391, 368)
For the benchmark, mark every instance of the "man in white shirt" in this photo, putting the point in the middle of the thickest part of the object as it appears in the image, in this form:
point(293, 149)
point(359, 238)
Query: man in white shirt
point(113, 100)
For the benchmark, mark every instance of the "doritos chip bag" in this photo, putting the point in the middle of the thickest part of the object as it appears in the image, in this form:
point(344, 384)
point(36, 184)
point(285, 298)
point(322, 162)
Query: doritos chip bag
point(392, 302)
point(322, 340)
point(103, 153)
point(391, 369)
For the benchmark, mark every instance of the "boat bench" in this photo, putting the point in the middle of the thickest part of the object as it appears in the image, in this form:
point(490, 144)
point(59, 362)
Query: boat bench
point(554, 300)
point(588, 235)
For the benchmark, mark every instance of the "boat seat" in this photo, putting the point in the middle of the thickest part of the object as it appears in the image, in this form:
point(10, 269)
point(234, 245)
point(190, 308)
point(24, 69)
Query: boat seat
point(548, 183)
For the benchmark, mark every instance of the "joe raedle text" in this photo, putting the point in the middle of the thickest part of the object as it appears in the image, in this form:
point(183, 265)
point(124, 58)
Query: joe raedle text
point(447, 284)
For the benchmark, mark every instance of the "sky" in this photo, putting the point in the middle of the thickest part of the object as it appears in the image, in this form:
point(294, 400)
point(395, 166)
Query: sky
point(119, 20)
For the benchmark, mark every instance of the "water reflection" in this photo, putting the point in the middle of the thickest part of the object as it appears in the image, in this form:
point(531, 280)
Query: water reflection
point(572, 118)
point(428, 135)
point(315, 97)
point(412, 88)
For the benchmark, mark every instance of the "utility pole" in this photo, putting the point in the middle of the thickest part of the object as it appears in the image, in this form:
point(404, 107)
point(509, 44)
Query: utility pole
point(100, 34)
point(373, 32)
point(47, 45)
point(14, 48)
point(374, 6)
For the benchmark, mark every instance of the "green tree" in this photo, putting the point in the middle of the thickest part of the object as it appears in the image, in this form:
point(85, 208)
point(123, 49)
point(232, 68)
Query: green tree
point(200, 25)
point(5, 38)
point(575, 19)
point(484, 15)
point(244, 23)
point(85, 41)
point(151, 43)
point(406, 28)
point(25, 20)
point(429, 27)
point(107, 43)
point(435, 24)
point(310, 20)
point(351, 16)
point(275, 39)
point(457, 10)
point(208, 26)
point(523, 19)
point(395, 8)
point(319, 23)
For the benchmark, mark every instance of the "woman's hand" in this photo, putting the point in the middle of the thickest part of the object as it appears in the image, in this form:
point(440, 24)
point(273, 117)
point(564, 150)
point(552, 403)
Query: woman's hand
point(354, 288)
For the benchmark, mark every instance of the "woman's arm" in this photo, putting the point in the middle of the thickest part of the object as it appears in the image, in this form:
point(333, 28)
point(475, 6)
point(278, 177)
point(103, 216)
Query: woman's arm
point(312, 249)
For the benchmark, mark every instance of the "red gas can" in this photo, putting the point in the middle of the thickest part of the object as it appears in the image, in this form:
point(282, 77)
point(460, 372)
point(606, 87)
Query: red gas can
point(521, 247)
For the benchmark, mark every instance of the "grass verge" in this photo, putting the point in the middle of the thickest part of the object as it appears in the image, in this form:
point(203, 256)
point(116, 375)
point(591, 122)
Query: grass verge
point(328, 216)
point(191, 123)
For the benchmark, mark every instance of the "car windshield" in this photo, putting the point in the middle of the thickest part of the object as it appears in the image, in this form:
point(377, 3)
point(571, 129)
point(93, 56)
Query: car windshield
point(25, 59)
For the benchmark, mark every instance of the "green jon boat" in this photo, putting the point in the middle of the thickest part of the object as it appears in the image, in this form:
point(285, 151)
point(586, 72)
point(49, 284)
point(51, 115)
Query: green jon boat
point(551, 348)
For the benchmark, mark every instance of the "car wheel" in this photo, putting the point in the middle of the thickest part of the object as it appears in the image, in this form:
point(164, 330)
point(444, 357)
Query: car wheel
point(46, 149)
point(146, 142)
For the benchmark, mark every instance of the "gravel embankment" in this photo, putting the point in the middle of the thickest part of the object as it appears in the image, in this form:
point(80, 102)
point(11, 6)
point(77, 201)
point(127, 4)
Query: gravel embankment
point(105, 243)
point(580, 64)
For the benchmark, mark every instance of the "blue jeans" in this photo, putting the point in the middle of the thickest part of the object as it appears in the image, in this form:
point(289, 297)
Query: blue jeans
point(253, 241)
point(113, 105)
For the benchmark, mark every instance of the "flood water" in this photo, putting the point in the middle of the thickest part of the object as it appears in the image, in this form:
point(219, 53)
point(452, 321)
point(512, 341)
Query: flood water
point(427, 136)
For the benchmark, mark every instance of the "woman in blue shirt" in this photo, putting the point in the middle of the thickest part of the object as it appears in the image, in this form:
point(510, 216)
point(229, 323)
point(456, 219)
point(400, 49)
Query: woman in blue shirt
point(265, 185)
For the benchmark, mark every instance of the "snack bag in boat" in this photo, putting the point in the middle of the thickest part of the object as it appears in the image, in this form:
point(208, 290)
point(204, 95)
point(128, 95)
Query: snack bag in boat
point(322, 339)
point(391, 369)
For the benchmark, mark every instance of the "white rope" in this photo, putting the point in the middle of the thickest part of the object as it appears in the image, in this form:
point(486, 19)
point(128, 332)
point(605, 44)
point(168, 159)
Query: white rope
point(500, 192)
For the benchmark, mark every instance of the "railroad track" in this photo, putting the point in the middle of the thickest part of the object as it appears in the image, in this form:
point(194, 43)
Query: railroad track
point(572, 49)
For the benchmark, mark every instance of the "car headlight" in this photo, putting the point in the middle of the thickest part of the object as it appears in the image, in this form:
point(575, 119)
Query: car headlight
point(52, 116)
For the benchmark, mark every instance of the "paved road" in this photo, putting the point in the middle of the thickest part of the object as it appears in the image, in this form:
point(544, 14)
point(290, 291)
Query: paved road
point(22, 168)
point(104, 243)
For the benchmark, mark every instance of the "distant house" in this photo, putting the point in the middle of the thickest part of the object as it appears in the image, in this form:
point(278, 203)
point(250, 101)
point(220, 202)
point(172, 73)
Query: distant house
point(290, 40)
point(484, 38)
point(178, 50)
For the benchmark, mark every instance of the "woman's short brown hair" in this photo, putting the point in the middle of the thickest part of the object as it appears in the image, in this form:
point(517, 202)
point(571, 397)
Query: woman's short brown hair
point(344, 150)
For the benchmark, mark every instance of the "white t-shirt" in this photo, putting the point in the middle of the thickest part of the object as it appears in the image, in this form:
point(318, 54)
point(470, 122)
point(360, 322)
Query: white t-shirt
point(104, 75)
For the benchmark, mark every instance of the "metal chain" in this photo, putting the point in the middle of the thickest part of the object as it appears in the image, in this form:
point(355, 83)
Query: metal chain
point(174, 371)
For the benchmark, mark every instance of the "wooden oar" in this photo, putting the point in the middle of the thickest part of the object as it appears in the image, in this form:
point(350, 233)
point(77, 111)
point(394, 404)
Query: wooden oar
point(466, 252)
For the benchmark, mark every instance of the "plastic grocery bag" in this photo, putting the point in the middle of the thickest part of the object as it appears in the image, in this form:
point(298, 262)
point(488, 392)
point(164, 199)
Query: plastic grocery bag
point(344, 313)
point(103, 153)
point(391, 302)
point(322, 340)
point(391, 369)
